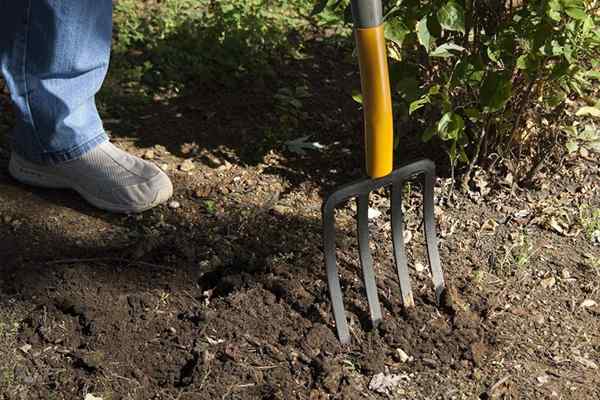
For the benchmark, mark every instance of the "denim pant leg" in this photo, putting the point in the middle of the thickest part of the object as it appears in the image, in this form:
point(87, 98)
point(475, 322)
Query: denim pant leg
point(54, 56)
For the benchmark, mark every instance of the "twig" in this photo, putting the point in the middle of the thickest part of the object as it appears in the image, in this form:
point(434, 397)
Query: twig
point(83, 260)
point(104, 260)
point(467, 177)
point(496, 385)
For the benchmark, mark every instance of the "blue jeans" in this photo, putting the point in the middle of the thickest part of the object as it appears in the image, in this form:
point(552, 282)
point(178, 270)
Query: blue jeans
point(54, 57)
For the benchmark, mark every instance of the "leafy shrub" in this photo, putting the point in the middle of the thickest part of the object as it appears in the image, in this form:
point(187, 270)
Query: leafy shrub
point(492, 76)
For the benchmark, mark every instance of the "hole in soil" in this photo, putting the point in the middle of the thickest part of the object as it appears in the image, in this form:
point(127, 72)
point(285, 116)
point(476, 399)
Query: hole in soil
point(223, 283)
point(186, 376)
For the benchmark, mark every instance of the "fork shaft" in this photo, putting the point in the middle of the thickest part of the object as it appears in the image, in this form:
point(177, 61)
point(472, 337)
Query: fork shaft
point(377, 103)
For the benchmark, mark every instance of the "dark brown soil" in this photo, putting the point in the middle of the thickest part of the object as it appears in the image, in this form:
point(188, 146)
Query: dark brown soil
point(225, 296)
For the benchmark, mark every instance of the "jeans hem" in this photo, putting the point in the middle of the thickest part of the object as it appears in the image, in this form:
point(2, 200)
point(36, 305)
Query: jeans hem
point(59, 157)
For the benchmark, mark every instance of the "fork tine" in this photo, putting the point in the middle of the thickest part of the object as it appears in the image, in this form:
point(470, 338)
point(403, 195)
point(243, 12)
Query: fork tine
point(333, 280)
point(366, 261)
point(397, 220)
point(430, 235)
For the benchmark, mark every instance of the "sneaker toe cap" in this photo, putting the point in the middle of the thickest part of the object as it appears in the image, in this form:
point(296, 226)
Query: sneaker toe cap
point(145, 195)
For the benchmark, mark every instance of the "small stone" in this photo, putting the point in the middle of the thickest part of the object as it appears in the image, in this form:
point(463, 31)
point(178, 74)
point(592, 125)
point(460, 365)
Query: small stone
point(588, 303)
point(226, 165)
point(548, 282)
point(164, 167)
point(565, 273)
point(543, 379)
point(211, 160)
point(25, 348)
point(187, 165)
point(419, 267)
point(174, 204)
point(539, 319)
point(149, 155)
point(402, 355)
point(373, 213)
point(407, 236)
point(161, 149)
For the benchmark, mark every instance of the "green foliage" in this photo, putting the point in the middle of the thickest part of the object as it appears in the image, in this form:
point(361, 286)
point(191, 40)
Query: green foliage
point(169, 43)
point(590, 221)
point(470, 71)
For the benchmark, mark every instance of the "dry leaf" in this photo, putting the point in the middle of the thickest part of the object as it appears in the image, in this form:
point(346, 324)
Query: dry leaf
point(489, 226)
point(386, 383)
point(586, 362)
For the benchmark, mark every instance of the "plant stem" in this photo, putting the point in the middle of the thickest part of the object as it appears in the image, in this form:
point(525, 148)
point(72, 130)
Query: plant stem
point(467, 177)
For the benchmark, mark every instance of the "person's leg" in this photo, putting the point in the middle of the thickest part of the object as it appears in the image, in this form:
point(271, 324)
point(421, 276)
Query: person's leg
point(54, 55)
point(55, 58)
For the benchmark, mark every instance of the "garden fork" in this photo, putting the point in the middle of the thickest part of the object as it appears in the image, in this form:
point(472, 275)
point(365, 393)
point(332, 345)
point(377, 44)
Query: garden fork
point(378, 130)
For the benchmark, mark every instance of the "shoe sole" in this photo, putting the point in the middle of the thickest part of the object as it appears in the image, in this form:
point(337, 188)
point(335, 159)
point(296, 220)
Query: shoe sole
point(34, 177)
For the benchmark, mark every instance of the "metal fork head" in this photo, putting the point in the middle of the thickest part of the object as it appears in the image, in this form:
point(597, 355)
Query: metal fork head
point(360, 190)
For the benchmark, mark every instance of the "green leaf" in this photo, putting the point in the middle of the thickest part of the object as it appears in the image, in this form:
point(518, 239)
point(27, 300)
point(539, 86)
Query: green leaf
point(423, 34)
point(463, 155)
point(417, 104)
point(452, 152)
point(554, 10)
point(554, 98)
point(428, 134)
point(357, 96)
point(593, 74)
point(522, 61)
point(468, 71)
point(447, 50)
point(450, 126)
point(576, 13)
point(473, 114)
point(396, 31)
point(591, 111)
point(408, 88)
point(495, 91)
point(572, 146)
point(434, 89)
point(452, 16)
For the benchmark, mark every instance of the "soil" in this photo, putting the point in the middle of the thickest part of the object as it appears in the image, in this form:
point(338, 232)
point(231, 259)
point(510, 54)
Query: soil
point(224, 295)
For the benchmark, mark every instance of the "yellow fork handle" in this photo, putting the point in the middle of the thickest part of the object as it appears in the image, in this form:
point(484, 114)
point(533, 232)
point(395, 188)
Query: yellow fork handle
point(377, 102)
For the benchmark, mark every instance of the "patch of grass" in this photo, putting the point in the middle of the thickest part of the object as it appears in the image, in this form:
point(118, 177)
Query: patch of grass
point(518, 253)
point(8, 333)
point(589, 218)
point(170, 44)
point(523, 250)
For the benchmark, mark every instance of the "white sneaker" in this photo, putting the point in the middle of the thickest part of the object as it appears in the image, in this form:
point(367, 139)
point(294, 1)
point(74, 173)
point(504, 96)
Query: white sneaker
point(107, 177)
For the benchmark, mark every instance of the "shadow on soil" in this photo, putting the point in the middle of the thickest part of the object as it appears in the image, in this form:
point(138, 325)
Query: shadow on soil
point(301, 89)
